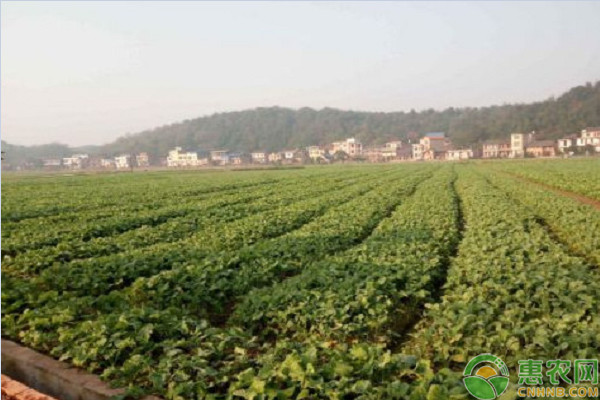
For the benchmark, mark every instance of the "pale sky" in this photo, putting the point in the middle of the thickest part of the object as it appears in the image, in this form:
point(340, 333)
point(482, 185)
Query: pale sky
point(88, 72)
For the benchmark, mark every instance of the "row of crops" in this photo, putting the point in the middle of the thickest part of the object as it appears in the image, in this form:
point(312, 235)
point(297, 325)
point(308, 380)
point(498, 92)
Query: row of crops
point(371, 282)
point(579, 176)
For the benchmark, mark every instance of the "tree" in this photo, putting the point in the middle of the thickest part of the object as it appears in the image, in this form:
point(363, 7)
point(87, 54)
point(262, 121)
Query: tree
point(340, 155)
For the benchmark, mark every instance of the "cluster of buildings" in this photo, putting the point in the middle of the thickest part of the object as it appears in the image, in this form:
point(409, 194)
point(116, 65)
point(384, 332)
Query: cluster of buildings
point(589, 139)
point(348, 149)
point(432, 146)
point(84, 161)
point(526, 145)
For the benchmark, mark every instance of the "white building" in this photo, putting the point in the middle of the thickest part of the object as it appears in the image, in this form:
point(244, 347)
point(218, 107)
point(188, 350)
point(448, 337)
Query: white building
point(417, 151)
point(588, 137)
point(591, 137)
point(519, 143)
point(259, 157)
point(179, 158)
point(123, 161)
point(76, 161)
point(289, 155)
point(459, 154)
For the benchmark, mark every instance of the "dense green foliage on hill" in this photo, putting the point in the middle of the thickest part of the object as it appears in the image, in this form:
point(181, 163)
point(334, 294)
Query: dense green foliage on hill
point(278, 128)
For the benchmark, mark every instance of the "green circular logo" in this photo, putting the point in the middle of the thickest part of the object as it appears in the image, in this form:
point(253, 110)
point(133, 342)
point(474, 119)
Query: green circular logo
point(488, 381)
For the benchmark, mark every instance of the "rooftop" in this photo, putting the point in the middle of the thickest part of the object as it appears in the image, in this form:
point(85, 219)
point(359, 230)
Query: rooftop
point(541, 143)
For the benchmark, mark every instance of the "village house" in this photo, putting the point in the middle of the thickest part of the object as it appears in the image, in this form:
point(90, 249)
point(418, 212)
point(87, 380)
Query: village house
point(566, 143)
point(432, 154)
point(590, 137)
point(350, 146)
point(290, 156)
point(219, 157)
point(142, 160)
point(496, 149)
point(76, 161)
point(316, 152)
point(459, 154)
point(276, 156)
point(541, 148)
point(432, 146)
point(179, 158)
point(259, 157)
point(517, 145)
point(123, 161)
point(436, 141)
point(417, 151)
point(391, 150)
point(237, 158)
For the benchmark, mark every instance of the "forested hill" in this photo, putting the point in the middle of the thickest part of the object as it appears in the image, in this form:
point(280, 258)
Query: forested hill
point(279, 128)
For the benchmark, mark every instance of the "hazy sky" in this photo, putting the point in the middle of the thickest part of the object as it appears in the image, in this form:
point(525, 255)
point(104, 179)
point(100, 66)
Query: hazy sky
point(88, 72)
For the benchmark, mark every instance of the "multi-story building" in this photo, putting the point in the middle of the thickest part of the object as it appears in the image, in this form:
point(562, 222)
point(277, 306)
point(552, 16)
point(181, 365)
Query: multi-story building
point(541, 148)
point(566, 143)
point(590, 137)
point(417, 151)
point(289, 156)
point(259, 157)
point(392, 150)
point(123, 161)
point(315, 152)
point(519, 142)
point(179, 158)
point(350, 146)
point(496, 149)
point(76, 161)
point(276, 156)
point(459, 154)
point(432, 146)
point(220, 157)
point(517, 145)
point(436, 141)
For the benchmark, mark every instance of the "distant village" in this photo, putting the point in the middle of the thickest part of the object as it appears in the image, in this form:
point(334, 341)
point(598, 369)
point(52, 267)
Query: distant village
point(432, 146)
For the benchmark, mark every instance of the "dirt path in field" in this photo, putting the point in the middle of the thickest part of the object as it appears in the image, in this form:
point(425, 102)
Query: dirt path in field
point(576, 196)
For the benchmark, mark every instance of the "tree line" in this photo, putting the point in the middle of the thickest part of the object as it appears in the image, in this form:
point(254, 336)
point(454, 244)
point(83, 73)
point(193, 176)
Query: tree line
point(276, 128)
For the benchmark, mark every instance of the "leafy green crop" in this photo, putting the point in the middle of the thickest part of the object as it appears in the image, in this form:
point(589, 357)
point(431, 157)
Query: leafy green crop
point(339, 282)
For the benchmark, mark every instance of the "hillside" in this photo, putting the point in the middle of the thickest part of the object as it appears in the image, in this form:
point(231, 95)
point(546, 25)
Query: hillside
point(279, 128)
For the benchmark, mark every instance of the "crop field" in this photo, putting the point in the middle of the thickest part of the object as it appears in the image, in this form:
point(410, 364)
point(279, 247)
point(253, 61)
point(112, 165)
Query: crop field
point(336, 282)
